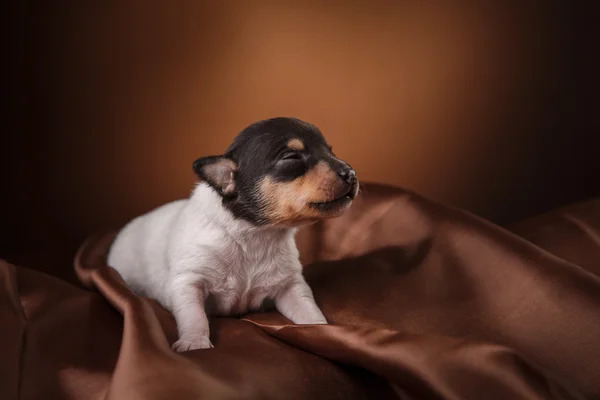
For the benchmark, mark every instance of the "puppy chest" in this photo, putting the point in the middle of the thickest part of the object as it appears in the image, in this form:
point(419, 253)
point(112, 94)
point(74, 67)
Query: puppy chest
point(246, 289)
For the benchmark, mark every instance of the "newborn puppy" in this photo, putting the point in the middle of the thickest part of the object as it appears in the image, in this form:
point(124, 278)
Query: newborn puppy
point(230, 247)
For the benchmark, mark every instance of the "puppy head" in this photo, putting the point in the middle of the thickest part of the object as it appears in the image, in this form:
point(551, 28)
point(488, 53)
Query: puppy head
point(280, 171)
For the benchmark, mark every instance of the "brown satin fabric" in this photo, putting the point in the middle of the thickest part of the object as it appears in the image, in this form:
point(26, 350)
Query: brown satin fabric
point(572, 233)
point(426, 302)
point(427, 366)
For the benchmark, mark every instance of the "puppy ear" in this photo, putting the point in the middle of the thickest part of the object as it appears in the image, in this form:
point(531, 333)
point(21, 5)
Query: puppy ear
point(218, 172)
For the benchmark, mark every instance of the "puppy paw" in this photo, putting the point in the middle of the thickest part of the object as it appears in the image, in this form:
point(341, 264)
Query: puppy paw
point(317, 322)
point(191, 343)
point(310, 321)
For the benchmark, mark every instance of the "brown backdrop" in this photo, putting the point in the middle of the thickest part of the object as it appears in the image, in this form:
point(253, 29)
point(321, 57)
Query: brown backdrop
point(479, 105)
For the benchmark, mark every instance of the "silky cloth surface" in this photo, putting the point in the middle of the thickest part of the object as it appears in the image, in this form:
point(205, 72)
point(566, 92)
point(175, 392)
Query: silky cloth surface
point(424, 301)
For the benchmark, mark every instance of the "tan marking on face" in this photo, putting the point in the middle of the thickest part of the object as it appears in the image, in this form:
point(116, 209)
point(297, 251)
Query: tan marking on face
point(295, 144)
point(288, 203)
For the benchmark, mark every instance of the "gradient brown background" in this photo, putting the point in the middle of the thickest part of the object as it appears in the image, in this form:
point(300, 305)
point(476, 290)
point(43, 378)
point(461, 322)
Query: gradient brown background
point(484, 105)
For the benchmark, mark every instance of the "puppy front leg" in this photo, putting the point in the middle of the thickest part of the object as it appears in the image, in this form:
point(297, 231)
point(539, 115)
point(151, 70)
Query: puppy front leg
point(192, 322)
point(297, 304)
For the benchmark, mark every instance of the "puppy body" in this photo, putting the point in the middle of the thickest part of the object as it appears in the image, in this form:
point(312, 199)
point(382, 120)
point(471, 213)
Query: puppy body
point(208, 255)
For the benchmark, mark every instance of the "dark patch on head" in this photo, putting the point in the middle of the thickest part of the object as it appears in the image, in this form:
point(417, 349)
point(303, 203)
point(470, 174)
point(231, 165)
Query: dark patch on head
point(283, 171)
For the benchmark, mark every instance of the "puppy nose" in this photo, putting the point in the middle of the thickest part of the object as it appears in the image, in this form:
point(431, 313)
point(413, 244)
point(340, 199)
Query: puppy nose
point(347, 174)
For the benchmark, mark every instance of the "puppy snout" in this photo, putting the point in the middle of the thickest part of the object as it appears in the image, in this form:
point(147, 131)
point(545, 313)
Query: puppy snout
point(348, 175)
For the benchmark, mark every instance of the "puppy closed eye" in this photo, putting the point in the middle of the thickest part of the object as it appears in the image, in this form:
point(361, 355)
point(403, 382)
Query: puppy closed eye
point(291, 155)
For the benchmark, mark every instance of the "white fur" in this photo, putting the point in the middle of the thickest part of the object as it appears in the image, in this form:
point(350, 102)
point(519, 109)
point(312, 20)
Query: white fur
point(196, 259)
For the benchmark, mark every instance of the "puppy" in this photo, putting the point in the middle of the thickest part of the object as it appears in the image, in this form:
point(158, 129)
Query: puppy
point(230, 247)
